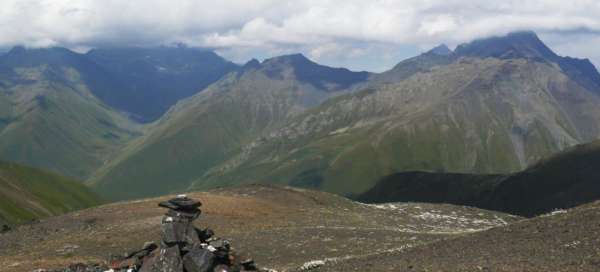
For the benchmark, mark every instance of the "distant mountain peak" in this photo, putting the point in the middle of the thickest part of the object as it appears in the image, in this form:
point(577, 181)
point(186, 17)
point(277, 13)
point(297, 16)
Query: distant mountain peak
point(20, 56)
point(251, 64)
point(306, 70)
point(521, 44)
point(441, 50)
point(19, 49)
point(291, 59)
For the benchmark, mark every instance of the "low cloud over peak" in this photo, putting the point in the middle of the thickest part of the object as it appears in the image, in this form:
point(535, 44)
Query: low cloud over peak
point(369, 35)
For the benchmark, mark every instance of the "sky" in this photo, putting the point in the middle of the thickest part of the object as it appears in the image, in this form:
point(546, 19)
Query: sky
point(370, 35)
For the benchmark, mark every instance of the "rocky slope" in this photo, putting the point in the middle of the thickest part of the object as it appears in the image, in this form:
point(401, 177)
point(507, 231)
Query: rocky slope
point(565, 180)
point(477, 114)
point(27, 194)
point(566, 240)
point(214, 125)
point(281, 228)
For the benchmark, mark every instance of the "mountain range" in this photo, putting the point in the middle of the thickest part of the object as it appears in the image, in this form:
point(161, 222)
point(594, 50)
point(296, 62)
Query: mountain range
point(479, 109)
point(138, 122)
point(208, 129)
point(70, 112)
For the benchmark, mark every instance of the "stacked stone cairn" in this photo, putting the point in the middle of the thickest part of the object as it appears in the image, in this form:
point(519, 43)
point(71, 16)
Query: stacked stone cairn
point(183, 248)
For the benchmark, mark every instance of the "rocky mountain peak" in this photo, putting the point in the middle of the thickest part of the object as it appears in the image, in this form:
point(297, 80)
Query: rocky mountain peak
point(307, 71)
point(524, 44)
point(251, 64)
point(441, 50)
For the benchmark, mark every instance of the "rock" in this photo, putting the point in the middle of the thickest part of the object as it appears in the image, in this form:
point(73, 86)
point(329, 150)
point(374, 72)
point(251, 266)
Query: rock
point(181, 203)
point(167, 260)
point(205, 234)
point(67, 249)
point(248, 265)
point(199, 260)
point(179, 230)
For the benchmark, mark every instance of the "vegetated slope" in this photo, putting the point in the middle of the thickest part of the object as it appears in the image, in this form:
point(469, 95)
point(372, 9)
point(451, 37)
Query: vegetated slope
point(281, 228)
point(50, 116)
point(477, 114)
point(564, 241)
point(154, 79)
point(213, 126)
point(27, 193)
point(565, 180)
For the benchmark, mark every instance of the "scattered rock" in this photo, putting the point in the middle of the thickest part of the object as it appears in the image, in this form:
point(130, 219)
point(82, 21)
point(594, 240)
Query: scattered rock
point(67, 249)
point(183, 247)
point(311, 265)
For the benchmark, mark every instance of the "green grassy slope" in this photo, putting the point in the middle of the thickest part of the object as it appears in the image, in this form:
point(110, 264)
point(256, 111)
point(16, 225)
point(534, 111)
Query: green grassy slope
point(27, 193)
point(565, 180)
point(51, 120)
point(474, 115)
point(213, 126)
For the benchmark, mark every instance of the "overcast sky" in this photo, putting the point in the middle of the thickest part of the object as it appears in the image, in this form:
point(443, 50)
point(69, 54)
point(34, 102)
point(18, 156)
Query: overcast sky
point(359, 34)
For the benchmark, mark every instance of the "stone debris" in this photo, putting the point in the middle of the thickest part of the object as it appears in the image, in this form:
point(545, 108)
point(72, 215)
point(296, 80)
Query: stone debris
point(183, 247)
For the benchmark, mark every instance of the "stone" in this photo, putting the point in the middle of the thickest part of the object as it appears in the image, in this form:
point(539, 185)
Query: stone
point(166, 260)
point(199, 259)
point(182, 203)
point(178, 230)
point(249, 265)
point(205, 234)
point(222, 268)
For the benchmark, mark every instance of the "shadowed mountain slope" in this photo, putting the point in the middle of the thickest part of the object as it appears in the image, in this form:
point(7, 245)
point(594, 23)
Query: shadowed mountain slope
point(154, 79)
point(565, 180)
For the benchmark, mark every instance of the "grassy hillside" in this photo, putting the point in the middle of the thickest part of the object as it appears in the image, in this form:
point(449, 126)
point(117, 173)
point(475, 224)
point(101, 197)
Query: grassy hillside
point(565, 180)
point(473, 116)
point(214, 125)
point(50, 117)
point(27, 193)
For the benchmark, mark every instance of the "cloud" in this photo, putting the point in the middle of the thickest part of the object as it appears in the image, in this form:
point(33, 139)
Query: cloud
point(324, 29)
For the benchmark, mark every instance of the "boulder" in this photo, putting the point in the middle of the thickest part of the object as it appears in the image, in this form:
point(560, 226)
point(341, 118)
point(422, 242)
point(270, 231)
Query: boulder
point(166, 260)
point(199, 259)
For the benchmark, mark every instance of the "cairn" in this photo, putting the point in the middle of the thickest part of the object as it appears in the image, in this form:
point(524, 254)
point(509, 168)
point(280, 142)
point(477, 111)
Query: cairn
point(183, 247)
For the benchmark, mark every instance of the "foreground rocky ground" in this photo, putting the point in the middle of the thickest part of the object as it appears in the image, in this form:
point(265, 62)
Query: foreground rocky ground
point(281, 228)
point(560, 241)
